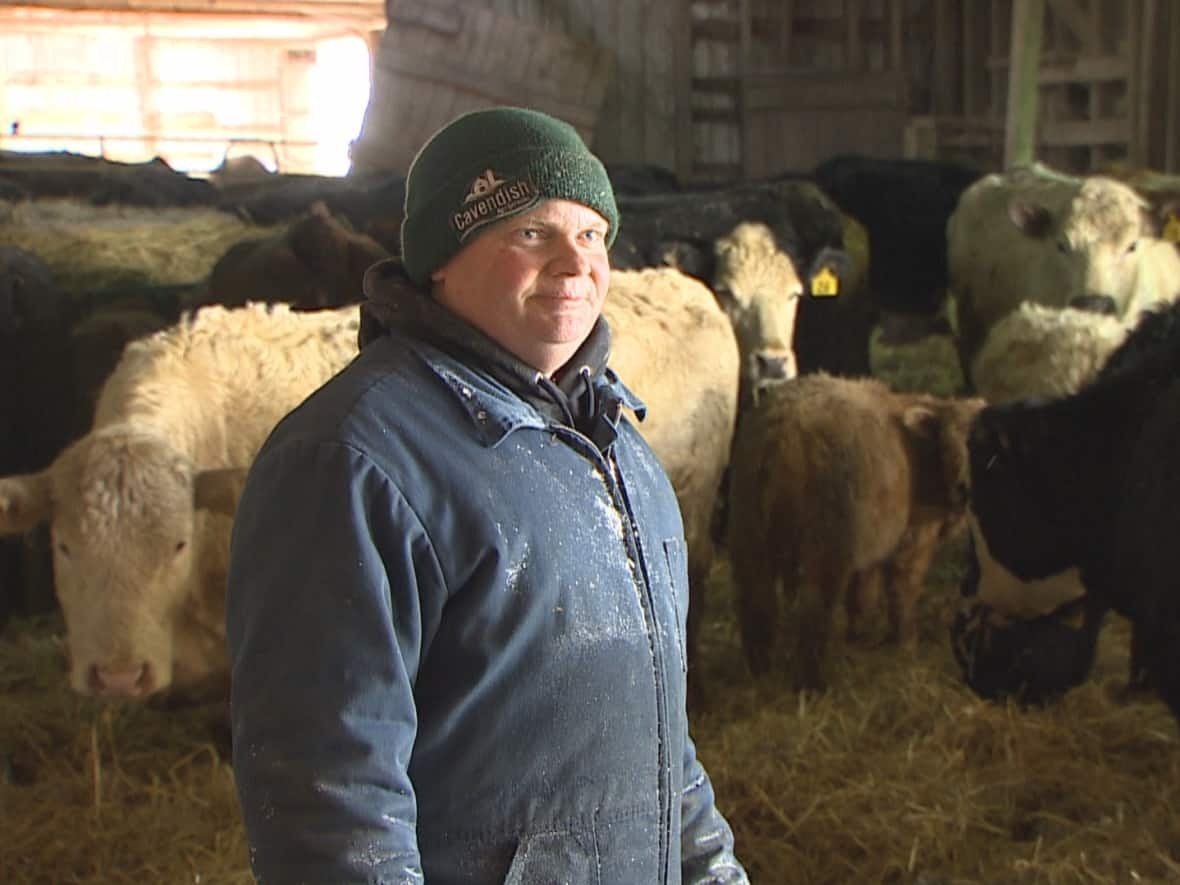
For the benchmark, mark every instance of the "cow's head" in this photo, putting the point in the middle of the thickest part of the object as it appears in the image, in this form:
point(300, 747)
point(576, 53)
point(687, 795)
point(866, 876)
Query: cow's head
point(1090, 257)
point(1022, 496)
point(939, 426)
point(124, 510)
point(759, 288)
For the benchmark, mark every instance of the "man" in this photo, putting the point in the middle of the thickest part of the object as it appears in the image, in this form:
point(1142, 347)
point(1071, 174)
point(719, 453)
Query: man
point(457, 591)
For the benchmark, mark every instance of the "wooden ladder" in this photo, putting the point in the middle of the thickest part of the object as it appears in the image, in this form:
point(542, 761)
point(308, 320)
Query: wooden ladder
point(719, 48)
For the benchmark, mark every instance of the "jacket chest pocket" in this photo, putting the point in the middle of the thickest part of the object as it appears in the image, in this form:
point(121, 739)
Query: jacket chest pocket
point(555, 859)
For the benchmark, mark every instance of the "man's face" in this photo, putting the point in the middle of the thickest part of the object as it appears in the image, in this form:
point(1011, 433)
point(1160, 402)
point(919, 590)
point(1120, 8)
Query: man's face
point(534, 283)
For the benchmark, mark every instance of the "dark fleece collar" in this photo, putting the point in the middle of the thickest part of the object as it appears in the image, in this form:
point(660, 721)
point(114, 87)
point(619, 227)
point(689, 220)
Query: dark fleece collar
point(392, 301)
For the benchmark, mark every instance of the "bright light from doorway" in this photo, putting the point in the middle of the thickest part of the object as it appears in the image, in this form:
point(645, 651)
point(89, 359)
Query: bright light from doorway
point(340, 85)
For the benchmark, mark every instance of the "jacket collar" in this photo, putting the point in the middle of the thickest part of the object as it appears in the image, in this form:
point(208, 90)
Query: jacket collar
point(498, 391)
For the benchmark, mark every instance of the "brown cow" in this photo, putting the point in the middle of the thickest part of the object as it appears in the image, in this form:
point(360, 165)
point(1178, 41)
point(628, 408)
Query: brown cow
point(316, 262)
point(839, 485)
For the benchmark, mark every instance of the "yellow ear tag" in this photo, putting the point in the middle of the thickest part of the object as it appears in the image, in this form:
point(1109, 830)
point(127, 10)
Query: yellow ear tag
point(1172, 228)
point(824, 283)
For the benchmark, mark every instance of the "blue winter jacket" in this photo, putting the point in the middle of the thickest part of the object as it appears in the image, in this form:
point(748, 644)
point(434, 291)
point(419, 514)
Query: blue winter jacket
point(456, 627)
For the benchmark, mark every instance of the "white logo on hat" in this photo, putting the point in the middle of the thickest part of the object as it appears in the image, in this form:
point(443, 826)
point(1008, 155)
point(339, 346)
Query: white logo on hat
point(483, 185)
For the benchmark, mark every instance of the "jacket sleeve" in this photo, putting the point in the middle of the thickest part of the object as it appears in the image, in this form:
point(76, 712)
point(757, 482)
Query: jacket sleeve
point(706, 841)
point(325, 629)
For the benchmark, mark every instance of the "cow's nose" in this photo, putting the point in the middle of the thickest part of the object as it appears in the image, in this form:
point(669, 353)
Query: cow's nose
point(775, 366)
point(1094, 304)
point(131, 682)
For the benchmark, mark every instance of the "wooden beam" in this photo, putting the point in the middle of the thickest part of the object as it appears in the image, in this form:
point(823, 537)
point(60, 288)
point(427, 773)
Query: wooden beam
point(365, 10)
point(1028, 24)
point(853, 48)
point(1172, 133)
point(1078, 20)
point(1080, 133)
point(1089, 69)
point(682, 79)
point(895, 9)
point(806, 92)
point(1141, 86)
point(946, 60)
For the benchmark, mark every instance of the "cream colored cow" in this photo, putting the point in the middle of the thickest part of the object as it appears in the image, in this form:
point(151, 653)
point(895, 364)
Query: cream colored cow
point(139, 506)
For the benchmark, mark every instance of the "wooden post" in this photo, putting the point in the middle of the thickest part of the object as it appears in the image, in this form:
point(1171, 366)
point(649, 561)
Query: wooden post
point(1172, 133)
point(896, 12)
point(1028, 25)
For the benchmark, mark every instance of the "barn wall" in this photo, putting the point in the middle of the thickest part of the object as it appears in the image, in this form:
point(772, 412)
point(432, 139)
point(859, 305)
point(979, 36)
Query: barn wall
point(189, 88)
point(637, 116)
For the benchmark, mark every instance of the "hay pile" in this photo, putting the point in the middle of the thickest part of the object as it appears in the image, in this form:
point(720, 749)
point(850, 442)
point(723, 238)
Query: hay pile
point(106, 794)
point(900, 774)
point(897, 774)
point(91, 248)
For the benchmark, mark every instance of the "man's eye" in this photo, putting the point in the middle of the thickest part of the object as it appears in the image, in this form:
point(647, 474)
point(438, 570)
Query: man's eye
point(594, 236)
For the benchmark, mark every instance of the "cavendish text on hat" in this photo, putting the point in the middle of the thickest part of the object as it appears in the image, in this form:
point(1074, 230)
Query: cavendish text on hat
point(489, 199)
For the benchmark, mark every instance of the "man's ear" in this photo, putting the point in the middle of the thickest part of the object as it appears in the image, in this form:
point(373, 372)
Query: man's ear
point(26, 501)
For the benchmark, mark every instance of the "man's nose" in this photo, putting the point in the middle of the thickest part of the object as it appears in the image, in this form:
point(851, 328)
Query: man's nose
point(570, 257)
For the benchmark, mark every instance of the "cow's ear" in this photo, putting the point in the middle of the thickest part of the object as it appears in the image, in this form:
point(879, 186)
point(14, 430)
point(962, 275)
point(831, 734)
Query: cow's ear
point(26, 501)
point(218, 490)
point(1030, 218)
point(921, 421)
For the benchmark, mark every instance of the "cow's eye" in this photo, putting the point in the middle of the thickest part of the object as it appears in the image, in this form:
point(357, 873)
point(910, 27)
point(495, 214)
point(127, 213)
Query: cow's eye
point(63, 548)
point(180, 545)
point(1134, 245)
point(1063, 247)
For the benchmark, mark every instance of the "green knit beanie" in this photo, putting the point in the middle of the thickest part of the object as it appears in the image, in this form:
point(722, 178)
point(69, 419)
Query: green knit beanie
point(488, 165)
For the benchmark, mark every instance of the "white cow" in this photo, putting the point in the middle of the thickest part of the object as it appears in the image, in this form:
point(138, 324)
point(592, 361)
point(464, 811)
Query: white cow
point(1033, 235)
point(675, 348)
point(759, 288)
point(1039, 351)
point(139, 506)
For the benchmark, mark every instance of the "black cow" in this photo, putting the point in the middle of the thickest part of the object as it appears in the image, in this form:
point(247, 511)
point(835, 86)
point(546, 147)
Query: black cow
point(316, 261)
point(904, 206)
point(1089, 481)
point(372, 203)
point(39, 411)
point(102, 182)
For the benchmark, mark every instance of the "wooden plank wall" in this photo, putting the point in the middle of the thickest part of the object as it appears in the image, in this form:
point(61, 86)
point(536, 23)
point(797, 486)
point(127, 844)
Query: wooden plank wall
point(638, 122)
point(838, 85)
point(133, 86)
point(439, 60)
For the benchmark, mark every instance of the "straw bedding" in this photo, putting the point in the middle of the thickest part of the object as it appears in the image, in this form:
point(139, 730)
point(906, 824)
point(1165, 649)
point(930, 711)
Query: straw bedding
point(898, 774)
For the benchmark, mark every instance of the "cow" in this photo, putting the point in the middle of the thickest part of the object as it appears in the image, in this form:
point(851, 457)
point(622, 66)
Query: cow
point(1084, 481)
point(635, 179)
point(904, 205)
point(676, 349)
point(39, 407)
point(840, 487)
point(1033, 235)
point(316, 261)
point(681, 230)
point(1039, 626)
point(138, 507)
point(371, 203)
point(1040, 351)
point(759, 290)
point(103, 182)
